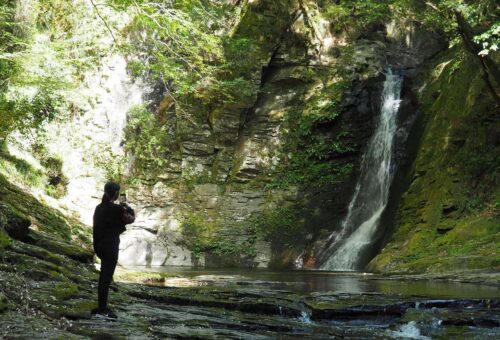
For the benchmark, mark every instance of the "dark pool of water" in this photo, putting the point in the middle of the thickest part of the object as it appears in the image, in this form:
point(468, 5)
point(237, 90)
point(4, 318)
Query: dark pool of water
point(322, 281)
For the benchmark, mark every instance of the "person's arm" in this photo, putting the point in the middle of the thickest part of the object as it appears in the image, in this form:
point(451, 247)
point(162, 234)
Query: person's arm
point(128, 214)
point(115, 218)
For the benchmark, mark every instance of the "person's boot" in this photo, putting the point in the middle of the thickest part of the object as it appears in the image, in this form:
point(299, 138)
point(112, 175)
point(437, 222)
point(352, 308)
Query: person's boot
point(104, 313)
point(113, 287)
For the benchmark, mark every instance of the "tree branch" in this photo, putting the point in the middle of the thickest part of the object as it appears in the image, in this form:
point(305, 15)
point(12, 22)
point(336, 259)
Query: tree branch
point(104, 21)
point(489, 67)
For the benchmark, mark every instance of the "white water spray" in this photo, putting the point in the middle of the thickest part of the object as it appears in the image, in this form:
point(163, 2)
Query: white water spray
point(372, 190)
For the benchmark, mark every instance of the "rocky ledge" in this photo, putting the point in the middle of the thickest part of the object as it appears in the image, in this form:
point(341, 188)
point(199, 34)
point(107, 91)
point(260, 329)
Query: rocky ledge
point(50, 295)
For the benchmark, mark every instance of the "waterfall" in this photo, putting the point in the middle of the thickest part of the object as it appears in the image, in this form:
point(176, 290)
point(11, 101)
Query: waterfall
point(90, 140)
point(371, 194)
point(115, 93)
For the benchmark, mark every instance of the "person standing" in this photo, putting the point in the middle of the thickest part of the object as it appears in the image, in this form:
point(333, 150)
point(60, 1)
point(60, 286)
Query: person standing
point(109, 222)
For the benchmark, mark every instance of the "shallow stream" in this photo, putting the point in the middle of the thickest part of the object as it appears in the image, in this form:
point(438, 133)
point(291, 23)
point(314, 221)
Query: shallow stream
point(303, 281)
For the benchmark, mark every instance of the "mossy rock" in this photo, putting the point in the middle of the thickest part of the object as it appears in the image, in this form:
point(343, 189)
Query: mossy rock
point(4, 239)
point(65, 290)
point(54, 245)
point(71, 309)
point(37, 252)
point(15, 223)
point(37, 269)
point(3, 303)
point(46, 219)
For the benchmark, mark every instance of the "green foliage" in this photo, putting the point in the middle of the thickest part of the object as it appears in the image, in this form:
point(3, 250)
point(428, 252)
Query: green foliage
point(489, 39)
point(146, 139)
point(482, 15)
point(348, 14)
point(306, 153)
point(436, 15)
point(9, 43)
point(43, 54)
point(180, 44)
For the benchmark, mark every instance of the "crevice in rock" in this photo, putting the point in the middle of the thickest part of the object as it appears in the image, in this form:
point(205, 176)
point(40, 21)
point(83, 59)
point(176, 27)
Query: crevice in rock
point(248, 115)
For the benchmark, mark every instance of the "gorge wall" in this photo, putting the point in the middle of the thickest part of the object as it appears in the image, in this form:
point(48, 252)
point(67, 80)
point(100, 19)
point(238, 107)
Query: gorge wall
point(246, 186)
point(263, 179)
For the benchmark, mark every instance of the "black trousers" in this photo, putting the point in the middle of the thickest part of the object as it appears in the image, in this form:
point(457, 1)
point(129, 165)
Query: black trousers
point(107, 250)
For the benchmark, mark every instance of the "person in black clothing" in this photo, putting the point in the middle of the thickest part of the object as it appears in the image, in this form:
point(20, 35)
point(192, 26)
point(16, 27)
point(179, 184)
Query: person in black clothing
point(109, 222)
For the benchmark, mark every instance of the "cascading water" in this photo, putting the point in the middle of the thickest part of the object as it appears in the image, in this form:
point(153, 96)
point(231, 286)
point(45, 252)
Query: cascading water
point(92, 139)
point(344, 249)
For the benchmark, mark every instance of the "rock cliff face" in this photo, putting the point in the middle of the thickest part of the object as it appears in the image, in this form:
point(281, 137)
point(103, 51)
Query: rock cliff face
point(448, 217)
point(221, 197)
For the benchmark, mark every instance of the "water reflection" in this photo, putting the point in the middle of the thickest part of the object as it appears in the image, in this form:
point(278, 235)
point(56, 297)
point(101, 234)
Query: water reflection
point(321, 281)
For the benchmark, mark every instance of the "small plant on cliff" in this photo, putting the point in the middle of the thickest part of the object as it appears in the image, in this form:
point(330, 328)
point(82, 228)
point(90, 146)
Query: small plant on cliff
point(283, 227)
point(57, 182)
point(307, 153)
point(145, 139)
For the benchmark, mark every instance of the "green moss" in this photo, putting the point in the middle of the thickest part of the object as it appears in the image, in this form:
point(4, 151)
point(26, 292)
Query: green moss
point(60, 247)
point(4, 240)
point(65, 290)
point(308, 156)
point(4, 304)
point(20, 170)
point(42, 217)
point(72, 309)
point(449, 219)
point(201, 236)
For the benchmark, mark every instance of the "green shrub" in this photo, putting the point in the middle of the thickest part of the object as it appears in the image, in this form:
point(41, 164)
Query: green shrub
point(307, 151)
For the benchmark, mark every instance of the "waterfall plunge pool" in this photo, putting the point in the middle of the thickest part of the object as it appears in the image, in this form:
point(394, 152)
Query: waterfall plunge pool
point(306, 281)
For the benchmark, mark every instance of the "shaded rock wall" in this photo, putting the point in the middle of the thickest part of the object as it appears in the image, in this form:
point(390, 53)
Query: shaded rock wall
point(207, 156)
point(221, 167)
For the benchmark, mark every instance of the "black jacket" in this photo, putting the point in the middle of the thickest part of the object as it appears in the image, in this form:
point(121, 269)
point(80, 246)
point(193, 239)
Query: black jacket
point(109, 221)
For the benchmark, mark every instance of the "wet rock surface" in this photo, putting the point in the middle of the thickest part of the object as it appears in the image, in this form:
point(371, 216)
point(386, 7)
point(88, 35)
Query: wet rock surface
point(48, 288)
point(58, 304)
